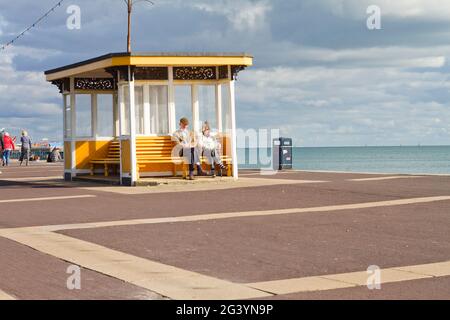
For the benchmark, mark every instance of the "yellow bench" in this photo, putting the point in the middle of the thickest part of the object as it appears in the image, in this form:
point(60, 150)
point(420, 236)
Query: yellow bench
point(156, 150)
point(225, 160)
point(111, 160)
point(150, 150)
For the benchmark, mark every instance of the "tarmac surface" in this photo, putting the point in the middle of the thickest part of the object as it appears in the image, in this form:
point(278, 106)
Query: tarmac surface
point(292, 235)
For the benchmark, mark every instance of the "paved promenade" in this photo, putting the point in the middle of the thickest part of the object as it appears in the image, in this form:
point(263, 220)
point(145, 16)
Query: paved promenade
point(294, 235)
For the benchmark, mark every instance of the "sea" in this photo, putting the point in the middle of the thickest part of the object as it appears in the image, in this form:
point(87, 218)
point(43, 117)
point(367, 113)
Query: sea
point(395, 159)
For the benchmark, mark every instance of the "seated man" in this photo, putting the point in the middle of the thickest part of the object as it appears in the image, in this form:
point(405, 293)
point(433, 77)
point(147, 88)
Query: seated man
point(186, 147)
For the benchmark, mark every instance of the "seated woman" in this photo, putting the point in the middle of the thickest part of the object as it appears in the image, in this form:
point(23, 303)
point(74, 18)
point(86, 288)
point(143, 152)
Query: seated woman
point(210, 148)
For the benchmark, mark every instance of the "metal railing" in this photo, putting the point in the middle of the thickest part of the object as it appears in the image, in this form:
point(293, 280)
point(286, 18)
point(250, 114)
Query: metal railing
point(42, 153)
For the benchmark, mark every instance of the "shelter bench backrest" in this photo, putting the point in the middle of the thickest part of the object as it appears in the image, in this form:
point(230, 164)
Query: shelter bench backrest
point(154, 147)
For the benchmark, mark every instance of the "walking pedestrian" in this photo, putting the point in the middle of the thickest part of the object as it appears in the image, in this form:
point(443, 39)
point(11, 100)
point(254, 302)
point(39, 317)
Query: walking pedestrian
point(9, 146)
point(2, 132)
point(25, 148)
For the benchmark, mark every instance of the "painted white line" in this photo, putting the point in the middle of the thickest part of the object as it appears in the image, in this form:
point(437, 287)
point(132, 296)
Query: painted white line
point(47, 198)
point(32, 171)
point(168, 281)
point(32, 179)
point(229, 215)
point(353, 279)
point(384, 178)
point(4, 296)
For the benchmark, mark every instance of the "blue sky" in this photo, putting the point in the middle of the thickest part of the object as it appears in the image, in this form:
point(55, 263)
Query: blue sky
point(320, 75)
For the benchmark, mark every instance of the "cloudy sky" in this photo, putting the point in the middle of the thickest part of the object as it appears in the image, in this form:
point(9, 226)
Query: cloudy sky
point(320, 75)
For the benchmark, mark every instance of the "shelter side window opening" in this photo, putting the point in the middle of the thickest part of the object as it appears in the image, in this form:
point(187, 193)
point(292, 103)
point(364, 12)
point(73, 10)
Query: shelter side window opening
point(67, 117)
point(105, 115)
point(183, 104)
point(139, 109)
point(207, 106)
point(83, 115)
point(159, 104)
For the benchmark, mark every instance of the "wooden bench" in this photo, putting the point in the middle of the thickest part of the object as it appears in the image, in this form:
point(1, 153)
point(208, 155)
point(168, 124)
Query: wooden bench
point(111, 160)
point(150, 150)
point(226, 160)
point(157, 150)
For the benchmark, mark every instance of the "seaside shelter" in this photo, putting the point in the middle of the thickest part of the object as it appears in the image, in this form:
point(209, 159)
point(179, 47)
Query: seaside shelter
point(121, 109)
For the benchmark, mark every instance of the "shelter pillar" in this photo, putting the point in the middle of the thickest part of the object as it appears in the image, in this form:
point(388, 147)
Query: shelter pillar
point(73, 131)
point(232, 108)
point(171, 104)
point(116, 118)
point(132, 125)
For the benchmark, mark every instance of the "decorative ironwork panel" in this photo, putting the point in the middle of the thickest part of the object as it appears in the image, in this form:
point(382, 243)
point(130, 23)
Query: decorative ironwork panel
point(151, 73)
point(62, 84)
point(235, 71)
point(94, 84)
point(194, 73)
point(223, 72)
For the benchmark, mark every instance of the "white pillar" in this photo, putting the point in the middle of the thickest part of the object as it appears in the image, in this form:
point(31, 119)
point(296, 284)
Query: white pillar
point(120, 107)
point(171, 99)
point(116, 119)
point(94, 115)
point(195, 108)
point(232, 109)
point(64, 117)
point(147, 123)
point(132, 127)
point(65, 131)
point(219, 107)
point(73, 125)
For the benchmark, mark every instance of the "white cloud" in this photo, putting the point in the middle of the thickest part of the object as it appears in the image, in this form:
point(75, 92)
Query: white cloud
point(427, 9)
point(3, 24)
point(26, 98)
point(378, 57)
point(244, 15)
point(322, 106)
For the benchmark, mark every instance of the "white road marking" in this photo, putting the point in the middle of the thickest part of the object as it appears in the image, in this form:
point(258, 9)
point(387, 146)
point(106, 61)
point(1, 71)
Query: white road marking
point(169, 281)
point(353, 279)
point(5, 296)
point(229, 215)
point(47, 198)
point(32, 179)
point(384, 178)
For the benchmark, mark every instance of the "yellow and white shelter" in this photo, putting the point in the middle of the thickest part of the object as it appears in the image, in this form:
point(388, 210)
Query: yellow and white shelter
point(121, 109)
